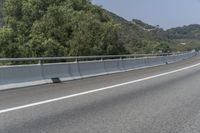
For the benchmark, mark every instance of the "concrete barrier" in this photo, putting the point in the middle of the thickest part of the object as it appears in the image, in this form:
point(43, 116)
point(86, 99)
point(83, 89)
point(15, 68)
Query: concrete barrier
point(20, 76)
point(63, 71)
point(171, 59)
point(92, 68)
point(112, 66)
point(130, 64)
point(29, 75)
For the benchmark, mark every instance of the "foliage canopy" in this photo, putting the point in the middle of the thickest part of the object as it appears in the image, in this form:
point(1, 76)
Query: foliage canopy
point(36, 28)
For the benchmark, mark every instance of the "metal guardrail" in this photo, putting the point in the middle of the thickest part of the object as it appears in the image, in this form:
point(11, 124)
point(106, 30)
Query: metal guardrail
point(16, 73)
point(76, 58)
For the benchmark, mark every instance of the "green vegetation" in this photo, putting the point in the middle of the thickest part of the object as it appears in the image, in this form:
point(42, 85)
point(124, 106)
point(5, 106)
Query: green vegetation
point(1, 12)
point(189, 32)
point(143, 25)
point(186, 37)
point(38, 28)
point(140, 37)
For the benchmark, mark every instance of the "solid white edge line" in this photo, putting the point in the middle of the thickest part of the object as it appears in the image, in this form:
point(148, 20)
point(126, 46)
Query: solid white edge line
point(93, 91)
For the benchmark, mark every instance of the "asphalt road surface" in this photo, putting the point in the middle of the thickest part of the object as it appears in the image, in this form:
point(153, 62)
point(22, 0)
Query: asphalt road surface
point(164, 99)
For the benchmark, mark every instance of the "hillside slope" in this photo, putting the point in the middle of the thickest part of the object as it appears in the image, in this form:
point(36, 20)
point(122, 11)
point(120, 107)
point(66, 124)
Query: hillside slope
point(78, 34)
point(140, 37)
point(185, 38)
point(189, 32)
point(57, 28)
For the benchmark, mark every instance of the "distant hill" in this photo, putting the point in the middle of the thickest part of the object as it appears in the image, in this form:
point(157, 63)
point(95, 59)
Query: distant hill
point(135, 36)
point(185, 32)
point(143, 25)
point(185, 38)
point(140, 37)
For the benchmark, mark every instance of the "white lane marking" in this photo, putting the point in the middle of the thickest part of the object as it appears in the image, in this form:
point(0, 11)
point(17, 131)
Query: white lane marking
point(93, 91)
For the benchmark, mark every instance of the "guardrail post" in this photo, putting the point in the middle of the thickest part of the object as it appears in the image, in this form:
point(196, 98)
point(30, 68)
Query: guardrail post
point(76, 60)
point(122, 61)
point(78, 66)
point(104, 65)
point(42, 68)
point(166, 59)
point(39, 62)
point(146, 61)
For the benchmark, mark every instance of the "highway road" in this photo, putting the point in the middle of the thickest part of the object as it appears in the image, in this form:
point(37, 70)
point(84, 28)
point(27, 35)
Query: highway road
point(163, 99)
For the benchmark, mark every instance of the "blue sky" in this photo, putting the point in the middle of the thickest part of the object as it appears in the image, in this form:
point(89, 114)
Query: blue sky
point(166, 13)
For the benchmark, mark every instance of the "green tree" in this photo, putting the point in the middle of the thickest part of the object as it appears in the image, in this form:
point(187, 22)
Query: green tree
point(1, 12)
point(58, 28)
